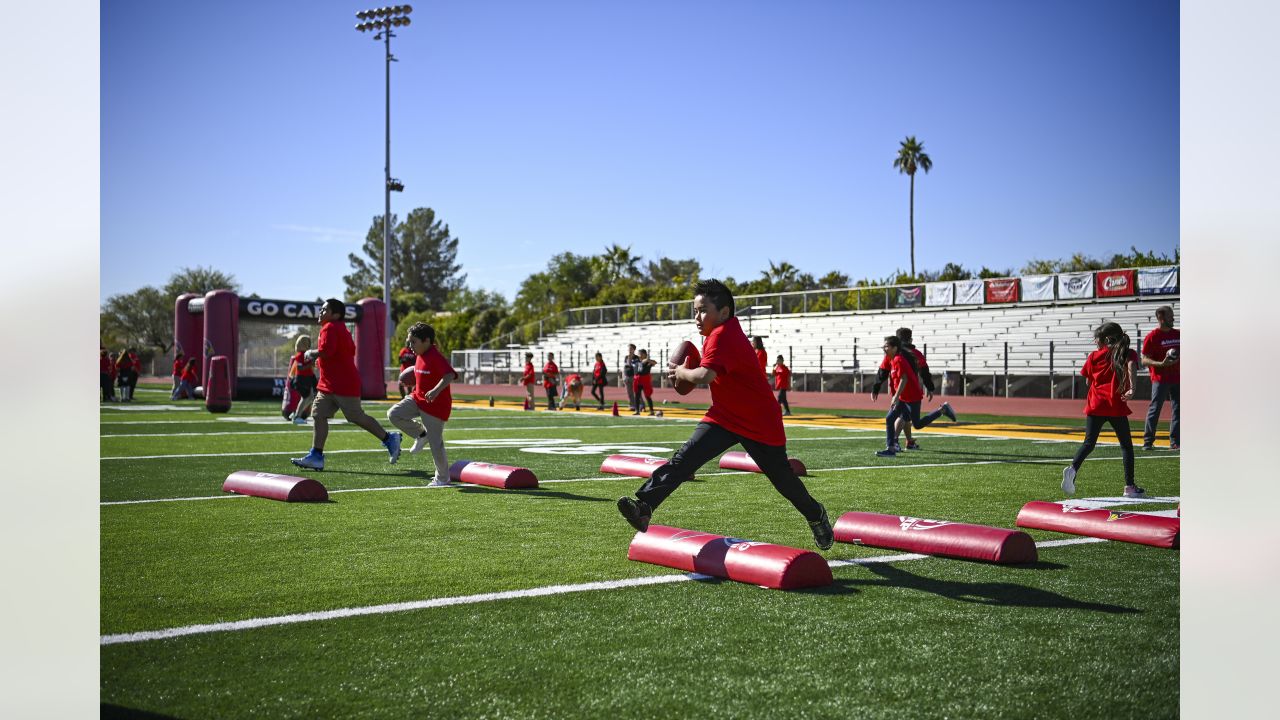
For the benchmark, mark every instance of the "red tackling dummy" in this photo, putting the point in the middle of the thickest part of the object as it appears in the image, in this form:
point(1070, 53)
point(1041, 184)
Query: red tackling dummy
point(1138, 528)
point(685, 354)
point(936, 537)
point(772, 566)
point(275, 487)
point(738, 460)
point(506, 477)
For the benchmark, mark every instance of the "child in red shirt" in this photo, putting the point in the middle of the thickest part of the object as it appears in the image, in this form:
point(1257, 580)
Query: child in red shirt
point(187, 382)
point(302, 379)
point(742, 411)
point(762, 357)
point(106, 374)
point(1110, 370)
point(424, 412)
point(644, 383)
point(528, 379)
point(407, 360)
point(905, 369)
point(178, 363)
point(339, 387)
point(551, 380)
point(599, 378)
point(572, 391)
point(782, 383)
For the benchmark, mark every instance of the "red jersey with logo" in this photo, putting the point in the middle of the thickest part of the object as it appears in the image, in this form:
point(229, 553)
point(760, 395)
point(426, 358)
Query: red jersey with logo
point(529, 377)
point(741, 401)
point(1156, 345)
point(781, 377)
point(1104, 394)
point(428, 370)
point(900, 372)
point(407, 358)
point(337, 361)
point(550, 372)
point(302, 367)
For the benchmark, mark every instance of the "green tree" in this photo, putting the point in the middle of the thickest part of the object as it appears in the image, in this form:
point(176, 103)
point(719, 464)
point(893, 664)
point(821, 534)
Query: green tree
point(143, 318)
point(832, 280)
point(618, 263)
point(912, 157)
point(422, 260)
point(199, 280)
point(673, 273)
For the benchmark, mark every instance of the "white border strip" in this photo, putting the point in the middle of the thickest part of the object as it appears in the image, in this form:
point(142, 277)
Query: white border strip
point(341, 613)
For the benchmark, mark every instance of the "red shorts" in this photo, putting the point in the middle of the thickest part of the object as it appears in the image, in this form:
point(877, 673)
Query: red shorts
point(645, 383)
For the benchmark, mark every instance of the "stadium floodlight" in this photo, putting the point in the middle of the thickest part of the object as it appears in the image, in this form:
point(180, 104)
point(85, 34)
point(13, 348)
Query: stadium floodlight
point(394, 17)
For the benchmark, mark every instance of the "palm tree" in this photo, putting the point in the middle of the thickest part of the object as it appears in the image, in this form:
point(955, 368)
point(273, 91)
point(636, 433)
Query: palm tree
point(911, 156)
point(780, 277)
point(620, 263)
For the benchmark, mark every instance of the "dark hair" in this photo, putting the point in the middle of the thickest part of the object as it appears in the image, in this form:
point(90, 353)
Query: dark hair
point(334, 305)
point(423, 331)
point(1117, 343)
point(757, 342)
point(716, 293)
point(528, 356)
point(896, 342)
point(599, 355)
point(904, 334)
point(780, 359)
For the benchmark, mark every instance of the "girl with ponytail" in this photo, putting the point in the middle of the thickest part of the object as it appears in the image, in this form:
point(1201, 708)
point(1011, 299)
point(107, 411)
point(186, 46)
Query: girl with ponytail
point(1110, 371)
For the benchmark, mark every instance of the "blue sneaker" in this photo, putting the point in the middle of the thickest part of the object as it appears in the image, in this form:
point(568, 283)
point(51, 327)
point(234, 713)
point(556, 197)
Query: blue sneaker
point(887, 452)
point(392, 443)
point(946, 410)
point(311, 461)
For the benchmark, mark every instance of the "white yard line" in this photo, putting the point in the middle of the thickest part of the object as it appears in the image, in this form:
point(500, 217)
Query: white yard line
point(545, 591)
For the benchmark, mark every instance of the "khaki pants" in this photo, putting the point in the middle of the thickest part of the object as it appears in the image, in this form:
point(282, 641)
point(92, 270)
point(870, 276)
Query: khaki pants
point(409, 418)
point(326, 406)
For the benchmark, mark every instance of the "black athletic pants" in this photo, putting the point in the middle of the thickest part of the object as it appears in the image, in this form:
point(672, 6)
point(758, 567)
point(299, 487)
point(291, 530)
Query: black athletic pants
point(782, 400)
point(1092, 427)
point(709, 440)
point(597, 392)
point(551, 398)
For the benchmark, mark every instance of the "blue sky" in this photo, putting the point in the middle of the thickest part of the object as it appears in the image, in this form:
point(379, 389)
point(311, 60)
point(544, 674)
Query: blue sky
point(249, 136)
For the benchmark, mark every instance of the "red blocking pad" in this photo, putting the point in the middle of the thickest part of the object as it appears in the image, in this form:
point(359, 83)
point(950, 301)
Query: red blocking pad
point(631, 465)
point(275, 487)
point(506, 477)
point(772, 566)
point(217, 387)
point(936, 537)
point(738, 460)
point(1138, 528)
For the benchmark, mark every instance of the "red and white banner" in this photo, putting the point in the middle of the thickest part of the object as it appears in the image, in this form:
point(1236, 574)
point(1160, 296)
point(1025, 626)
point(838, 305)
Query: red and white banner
point(939, 293)
point(969, 292)
point(1075, 286)
point(1003, 290)
point(1037, 287)
point(1116, 283)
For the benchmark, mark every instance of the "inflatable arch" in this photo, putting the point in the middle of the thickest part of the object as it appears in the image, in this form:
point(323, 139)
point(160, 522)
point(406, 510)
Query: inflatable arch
point(210, 325)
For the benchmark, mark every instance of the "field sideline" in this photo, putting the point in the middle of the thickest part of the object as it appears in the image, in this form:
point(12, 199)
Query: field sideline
point(393, 599)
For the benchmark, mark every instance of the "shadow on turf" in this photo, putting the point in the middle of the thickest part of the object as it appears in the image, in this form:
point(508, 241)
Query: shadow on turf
point(983, 593)
point(117, 711)
point(531, 492)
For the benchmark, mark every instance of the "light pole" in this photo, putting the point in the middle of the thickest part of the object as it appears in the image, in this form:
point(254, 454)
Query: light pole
point(382, 20)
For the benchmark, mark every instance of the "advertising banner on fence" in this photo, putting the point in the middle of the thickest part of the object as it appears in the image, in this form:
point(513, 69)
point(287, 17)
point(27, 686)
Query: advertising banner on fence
point(1158, 281)
point(1037, 287)
point(1116, 283)
point(939, 293)
point(1004, 290)
point(910, 296)
point(968, 292)
point(1075, 286)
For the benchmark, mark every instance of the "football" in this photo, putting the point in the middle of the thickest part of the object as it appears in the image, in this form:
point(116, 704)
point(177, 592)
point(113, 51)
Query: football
point(1172, 355)
point(685, 354)
point(406, 377)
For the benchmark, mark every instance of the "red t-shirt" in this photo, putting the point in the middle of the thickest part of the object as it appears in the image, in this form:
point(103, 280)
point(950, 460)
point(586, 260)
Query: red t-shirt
point(177, 367)
point(762, 357)
point(529, 377)
point(741, 401)
point(1104, 399)
point(900, 372)
point(428, 370)
point(597, 373)
point(190, 377)
point(124, 363)
point(302, 367)
point(407, 358)
point(549, 373)
point(781, 377)
point(1156, 345)
point(105, 365)
point(569, 381)
point(337, 361)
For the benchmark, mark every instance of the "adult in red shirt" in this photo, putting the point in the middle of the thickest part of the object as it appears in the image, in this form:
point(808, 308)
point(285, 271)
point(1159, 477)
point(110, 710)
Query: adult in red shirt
point(742, 411)
point(339, 387)
point(1110, 370)
point(1160, 350)
point(782, 383)
point(407, 360)
point(106, 374)
point(599, 378)
point(551, 380)
point(528, 379)
point(302, 379)
point(422, 414)
point(762, 357)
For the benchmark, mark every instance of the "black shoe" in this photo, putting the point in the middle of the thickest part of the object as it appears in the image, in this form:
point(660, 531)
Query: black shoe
point(637, 512)
point(1148, 446)
point(913, 445)
point(823, 536)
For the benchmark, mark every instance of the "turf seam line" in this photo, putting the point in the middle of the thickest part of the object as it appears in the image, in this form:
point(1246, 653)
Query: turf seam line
point(342, 613)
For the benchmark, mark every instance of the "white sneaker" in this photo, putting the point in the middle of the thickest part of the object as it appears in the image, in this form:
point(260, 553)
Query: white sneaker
point(299, 421)
point(440, 482)
point(1069, 480)
point(418, 443)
